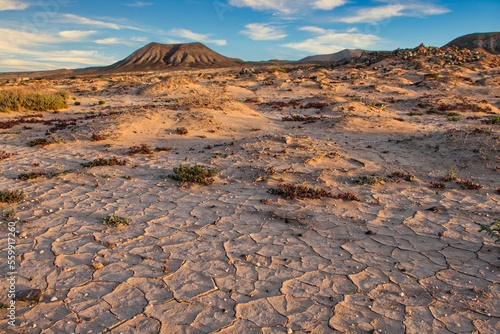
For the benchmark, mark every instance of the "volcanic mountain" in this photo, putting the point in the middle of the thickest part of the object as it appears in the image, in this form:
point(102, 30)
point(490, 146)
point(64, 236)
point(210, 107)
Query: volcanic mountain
point(337, 56)
point(489, 41)
point(156, 56)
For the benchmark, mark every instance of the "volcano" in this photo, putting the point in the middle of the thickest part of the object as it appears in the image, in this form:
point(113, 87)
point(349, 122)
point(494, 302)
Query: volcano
point(156, 56)
point(489, 41)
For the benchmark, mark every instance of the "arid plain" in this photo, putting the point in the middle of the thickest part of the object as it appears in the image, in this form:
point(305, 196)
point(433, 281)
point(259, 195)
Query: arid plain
point(383, 250)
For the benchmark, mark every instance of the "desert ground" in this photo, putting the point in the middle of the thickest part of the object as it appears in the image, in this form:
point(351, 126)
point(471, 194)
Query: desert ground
point(383, 251)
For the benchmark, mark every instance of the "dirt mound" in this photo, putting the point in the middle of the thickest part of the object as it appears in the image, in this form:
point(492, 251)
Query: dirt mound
point(156, 56)
point(489, 42)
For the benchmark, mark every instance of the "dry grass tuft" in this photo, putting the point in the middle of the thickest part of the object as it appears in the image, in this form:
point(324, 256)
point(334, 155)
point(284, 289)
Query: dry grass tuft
point(20, 99)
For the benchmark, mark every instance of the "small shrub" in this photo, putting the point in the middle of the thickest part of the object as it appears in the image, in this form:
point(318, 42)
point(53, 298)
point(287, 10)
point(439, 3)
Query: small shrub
point(105, 162)
point(468, 184)
point(27, 99)
point(290, 191)
point(4, 155)
point(350, 197)
point(101, 102)
point(406, 176)
point(438, 184)
point(7, 196)
point(163, 149)
point(493, 229)
point(116, 220)
point(77, 103)
point(40, 142)
point(142, 149)
point(454, 118)
point(9, 213)
point(372, 180)
point(450, 175)
point(196, 174)
point(492, 120)
point(182, 131)
point(300, 118)
point(98, 137)
point(30, 175)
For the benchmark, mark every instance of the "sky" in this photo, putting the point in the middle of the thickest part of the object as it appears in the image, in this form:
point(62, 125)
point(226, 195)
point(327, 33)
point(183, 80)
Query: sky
point(55, 34)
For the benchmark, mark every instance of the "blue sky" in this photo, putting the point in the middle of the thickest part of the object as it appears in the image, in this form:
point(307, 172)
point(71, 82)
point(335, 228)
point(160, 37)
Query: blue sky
point(53, 34)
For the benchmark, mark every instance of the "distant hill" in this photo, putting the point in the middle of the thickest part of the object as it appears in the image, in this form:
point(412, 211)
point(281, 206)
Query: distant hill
point(156, 56)
point(489, 41)
point(337, 56)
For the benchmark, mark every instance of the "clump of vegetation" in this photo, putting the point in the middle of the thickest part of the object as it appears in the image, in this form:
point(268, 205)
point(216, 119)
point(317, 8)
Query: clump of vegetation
point(349, 197)
point(42, 142)
point(494, 119)
point(213, 99)
point(7, 196)
point(30, 175)
point(415, 113)
point(372, 179)
point(315, 105)
point(437, 184)
point(142, 149)
point(9, 213)
point(77, 103)
point(182, 131)
point(406, 176)
point(98, 137)
point(27, 99)
point(450, 175)
point(101, 102)
point(4, 155)
point(468, 184)
point(432, 75)
point(276, 69)
point(116, 220)
point(195, 174)
point(290, 191)
point(282, 104)
point(105, 162)
point(493, 229)
point(300, 118)
point(163, 149)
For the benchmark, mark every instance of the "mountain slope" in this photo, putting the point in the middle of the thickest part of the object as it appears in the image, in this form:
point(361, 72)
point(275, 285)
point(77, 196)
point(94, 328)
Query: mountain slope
point(489, 42)
point(156, 56)
point(337, 56)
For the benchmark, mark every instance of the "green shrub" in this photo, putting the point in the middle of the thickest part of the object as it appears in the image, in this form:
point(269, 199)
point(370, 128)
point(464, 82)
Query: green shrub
point(494, 119)
point(290, 191)
point(372, 179)
point(101, 102)
point(116, 220)
point(7, 196)
point(196, 174)
point(105, 162)
point(493, 230)
point(30, 175)
point(24, 99)
point(450, 175)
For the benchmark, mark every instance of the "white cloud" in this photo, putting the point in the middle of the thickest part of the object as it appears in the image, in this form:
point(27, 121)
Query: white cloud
point(76, 35)
point(23, 51)
point(139, 4)
point(263, 32)
point(205, 38)
point(288, 6)
point(380, 13)
point(114, 40)
point(25, 65)
point(330, 41)
point(12, 5)
point(75, 19)
point(140, 39)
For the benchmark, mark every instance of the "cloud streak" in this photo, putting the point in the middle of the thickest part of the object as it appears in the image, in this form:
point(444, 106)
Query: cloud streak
point(287, 6)
point(12, 5)
point(330, 41)
point(75, 19)
point(380, 13)
point(139, 4)
point(188, 34)
point(263, 32)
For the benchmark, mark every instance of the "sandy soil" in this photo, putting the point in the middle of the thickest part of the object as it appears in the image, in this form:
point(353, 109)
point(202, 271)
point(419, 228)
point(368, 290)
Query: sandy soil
point(406, 258)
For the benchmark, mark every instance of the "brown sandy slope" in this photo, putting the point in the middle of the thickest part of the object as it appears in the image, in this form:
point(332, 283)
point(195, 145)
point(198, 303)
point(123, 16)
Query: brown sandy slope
point(337, 56)
point(489, 42)
point(156, 56)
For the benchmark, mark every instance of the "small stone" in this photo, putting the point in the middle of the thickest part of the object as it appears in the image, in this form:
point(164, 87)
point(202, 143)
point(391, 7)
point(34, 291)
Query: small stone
point(53, 299)
point(97, 265)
